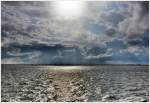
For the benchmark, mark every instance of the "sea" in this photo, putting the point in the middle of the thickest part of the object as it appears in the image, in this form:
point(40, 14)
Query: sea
point(96, 83)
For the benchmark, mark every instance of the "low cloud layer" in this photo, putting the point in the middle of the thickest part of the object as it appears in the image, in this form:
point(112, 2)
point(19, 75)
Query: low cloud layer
point(106, 33)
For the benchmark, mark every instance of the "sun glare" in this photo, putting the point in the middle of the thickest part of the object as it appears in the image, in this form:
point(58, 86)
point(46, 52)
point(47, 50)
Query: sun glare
point(68, 9)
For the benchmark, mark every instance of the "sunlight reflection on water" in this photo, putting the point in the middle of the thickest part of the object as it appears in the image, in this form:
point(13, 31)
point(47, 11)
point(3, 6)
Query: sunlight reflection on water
point(90, 83)
point(65, 68)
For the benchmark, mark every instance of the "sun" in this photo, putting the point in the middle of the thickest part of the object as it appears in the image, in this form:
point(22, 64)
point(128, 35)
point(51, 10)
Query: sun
point(68, 9)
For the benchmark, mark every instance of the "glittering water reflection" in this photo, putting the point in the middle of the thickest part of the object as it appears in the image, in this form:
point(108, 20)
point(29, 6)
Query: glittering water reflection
point(74, 83)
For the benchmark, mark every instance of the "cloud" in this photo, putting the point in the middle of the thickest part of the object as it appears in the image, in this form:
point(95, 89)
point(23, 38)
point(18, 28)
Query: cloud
point(136, 23)
point(100, 56)
point(12, 61)
point(116, 44)
point(105, 33)
point(111, 32)
point(22, 58)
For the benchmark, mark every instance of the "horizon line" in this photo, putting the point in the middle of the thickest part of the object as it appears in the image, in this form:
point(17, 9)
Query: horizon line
point(73, 64)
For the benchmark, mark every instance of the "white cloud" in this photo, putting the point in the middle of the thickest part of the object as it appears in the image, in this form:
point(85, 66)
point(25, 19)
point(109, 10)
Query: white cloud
point(16, 60)
point(107, 54)
point(137, 21)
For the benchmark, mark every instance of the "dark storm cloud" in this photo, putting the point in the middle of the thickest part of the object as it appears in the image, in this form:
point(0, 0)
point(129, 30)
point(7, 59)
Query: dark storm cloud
point(37, 46)
point(111, 32)
point(142, 40)
point(96, 50)
point(46, 53)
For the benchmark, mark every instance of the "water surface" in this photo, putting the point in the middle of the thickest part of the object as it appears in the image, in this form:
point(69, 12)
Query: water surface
point(75, 83)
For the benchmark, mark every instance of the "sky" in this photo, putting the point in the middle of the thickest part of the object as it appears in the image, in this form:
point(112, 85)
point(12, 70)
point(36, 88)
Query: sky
point(87, 32)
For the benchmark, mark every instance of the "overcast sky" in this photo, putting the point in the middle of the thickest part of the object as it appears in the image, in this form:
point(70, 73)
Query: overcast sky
point(103, 33)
